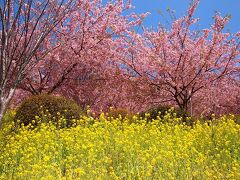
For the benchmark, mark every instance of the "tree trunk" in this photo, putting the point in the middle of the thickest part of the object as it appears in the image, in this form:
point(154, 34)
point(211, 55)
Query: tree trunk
point(4, 101)
point(2, 110)
point(184, 110)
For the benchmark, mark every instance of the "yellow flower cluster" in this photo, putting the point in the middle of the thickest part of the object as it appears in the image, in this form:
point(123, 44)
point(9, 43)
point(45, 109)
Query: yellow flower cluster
point(108, 148)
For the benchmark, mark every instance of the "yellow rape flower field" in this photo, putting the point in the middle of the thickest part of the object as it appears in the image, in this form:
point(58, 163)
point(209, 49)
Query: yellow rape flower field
point(108, 148)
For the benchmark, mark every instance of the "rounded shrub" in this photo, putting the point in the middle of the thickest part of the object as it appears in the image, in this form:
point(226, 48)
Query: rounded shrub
point(45, 108)
point(120, 112)
point(160, 111)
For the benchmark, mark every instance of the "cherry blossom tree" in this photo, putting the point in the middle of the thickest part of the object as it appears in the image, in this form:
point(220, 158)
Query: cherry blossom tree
point(97, 58)
point(24, 25)
point(179, 63)
point(81, 66)
point(222, 97)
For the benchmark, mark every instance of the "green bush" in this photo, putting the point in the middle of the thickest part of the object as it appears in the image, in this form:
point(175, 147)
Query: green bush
point(8, 118)
point(159, 111)
point(45, 108)
point(120, 112)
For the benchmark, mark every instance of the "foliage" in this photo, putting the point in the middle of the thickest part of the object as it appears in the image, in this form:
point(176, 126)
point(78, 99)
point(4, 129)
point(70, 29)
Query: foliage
point(112, 150)
point(8, 118)
point(160, 111)
point(45, 108)
point(120, 112)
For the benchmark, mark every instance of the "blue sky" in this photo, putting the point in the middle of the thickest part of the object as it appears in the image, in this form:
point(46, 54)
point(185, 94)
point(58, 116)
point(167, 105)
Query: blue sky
point(205, 11)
